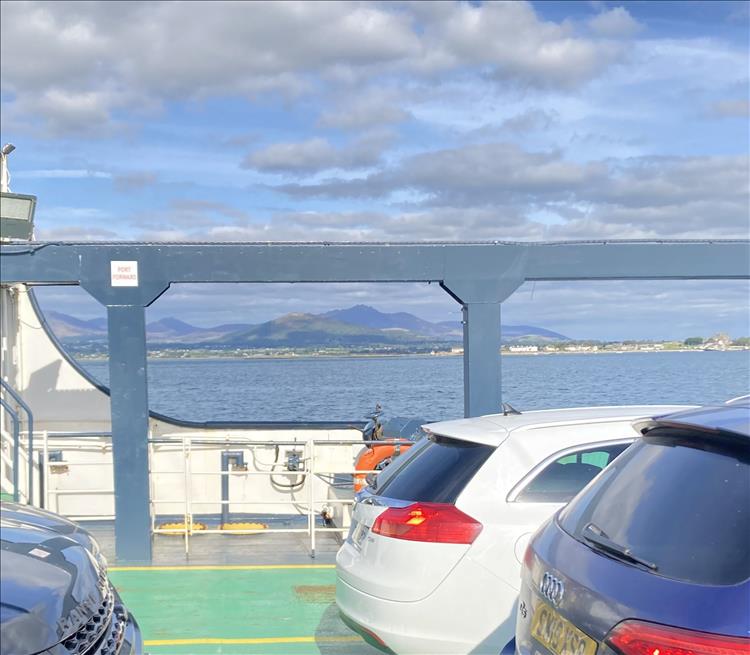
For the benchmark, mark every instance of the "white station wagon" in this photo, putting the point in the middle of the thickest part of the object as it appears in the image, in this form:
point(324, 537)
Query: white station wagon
point(433, 557)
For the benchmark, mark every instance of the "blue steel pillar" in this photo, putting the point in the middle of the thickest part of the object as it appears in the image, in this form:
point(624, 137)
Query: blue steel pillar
point(482, 373)
point(129, 408)
point(480, 300)
point(128, 390)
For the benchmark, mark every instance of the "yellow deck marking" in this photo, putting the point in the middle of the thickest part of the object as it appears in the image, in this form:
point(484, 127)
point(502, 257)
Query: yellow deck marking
point(223, 567)
point(216, 641)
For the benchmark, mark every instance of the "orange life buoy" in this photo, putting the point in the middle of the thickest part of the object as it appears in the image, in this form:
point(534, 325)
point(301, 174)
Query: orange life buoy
point(373, 455)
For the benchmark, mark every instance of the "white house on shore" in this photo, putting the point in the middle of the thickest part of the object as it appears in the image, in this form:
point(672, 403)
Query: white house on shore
point(523, 349)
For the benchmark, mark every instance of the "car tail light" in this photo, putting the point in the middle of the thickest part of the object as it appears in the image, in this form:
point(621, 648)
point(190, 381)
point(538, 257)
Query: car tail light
point(641, 638)
point(433, 522)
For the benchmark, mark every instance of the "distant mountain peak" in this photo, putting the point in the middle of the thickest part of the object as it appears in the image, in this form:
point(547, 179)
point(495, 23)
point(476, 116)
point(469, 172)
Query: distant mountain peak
point(172, 323)
point(358, 324)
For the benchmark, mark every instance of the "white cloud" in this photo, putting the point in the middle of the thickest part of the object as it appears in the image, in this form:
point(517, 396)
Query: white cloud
point(317, 154)
point(644, 197)
point(61, 173)
point(364, 109)
point(615, 23)
point(71, 66)
point(529, 121)
point(510, 39)
point(134, 180)
point(75, 233)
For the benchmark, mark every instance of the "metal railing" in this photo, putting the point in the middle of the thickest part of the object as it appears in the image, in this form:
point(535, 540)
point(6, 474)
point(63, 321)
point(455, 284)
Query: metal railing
point(185, 444)
point(46, 463)
point(29, 431)
point(310, 471)
point(16, 421)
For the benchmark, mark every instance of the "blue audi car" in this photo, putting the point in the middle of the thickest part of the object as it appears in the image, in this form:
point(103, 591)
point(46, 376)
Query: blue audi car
point(653, 556)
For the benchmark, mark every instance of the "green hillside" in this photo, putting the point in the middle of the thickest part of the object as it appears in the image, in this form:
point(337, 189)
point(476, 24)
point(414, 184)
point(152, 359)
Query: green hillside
point(301, 330)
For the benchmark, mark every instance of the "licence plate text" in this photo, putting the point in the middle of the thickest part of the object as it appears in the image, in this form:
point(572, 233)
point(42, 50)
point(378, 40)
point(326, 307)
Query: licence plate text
point(558, 634)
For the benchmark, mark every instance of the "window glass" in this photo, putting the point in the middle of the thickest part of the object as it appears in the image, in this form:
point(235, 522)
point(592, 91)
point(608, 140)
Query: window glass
point(437, 472)
point(397, 463)
point(559, 481)
point(599, 458)
point(679, 505)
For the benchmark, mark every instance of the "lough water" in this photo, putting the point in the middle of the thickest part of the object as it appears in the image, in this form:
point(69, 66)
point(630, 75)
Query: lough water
point(325, 389)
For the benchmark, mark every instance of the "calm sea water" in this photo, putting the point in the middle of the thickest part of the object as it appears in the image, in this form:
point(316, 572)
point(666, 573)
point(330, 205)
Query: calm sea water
point(430, 387)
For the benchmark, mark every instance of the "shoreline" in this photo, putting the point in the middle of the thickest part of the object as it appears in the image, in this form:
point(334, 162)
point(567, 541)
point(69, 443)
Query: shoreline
point(307, 356)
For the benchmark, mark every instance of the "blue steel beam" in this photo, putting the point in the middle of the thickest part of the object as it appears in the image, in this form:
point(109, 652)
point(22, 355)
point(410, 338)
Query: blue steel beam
point(160, 263)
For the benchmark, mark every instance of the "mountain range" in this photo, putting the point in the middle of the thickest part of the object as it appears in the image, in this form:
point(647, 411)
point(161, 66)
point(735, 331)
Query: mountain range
point(360, 325)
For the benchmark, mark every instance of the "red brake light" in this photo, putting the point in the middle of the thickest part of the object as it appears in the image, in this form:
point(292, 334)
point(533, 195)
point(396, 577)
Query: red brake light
point(433, 522)
point(640, 638)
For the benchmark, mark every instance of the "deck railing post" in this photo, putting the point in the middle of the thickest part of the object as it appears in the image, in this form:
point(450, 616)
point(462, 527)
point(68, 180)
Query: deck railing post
point(311, 479)
point(186, 480)
point(45, 473)
point(30, 430)
point(16, 446)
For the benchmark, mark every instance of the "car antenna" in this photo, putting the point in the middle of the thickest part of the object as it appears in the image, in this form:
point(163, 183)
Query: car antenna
point(508, 409)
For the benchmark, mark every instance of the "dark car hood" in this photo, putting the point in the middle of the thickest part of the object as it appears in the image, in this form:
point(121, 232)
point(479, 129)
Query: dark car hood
point(50, 586)
point(43, 519)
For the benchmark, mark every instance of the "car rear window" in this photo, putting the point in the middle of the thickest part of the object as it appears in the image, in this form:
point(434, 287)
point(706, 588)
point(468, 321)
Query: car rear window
point(438, 472)
point(562, 479)
point(683, 506)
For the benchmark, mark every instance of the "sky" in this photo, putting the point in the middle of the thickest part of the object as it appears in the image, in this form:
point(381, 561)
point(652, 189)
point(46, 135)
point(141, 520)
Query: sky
point(396, 121)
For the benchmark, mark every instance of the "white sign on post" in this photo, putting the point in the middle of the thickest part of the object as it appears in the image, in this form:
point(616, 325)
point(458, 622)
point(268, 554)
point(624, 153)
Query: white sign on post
point(124, 274)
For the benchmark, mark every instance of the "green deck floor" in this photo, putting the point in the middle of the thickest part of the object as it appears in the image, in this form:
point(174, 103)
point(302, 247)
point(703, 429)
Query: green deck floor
point(242, 609)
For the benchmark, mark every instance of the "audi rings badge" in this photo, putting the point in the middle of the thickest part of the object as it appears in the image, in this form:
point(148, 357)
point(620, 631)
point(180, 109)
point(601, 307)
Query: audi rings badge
point(552, 588)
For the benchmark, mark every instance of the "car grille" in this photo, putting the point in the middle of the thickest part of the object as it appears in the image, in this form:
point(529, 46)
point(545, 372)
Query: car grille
point(102, 634)
point(112, 641)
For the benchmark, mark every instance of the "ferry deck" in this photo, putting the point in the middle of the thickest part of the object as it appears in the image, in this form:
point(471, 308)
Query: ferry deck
point(236, 594)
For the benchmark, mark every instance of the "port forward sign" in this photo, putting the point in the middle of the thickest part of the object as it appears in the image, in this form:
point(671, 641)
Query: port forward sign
point(124, 274)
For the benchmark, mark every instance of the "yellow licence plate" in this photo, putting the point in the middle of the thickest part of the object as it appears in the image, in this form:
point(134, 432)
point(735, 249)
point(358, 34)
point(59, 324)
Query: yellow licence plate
point(558, 634)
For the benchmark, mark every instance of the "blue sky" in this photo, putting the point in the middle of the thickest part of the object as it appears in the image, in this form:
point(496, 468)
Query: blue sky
point(389, 121)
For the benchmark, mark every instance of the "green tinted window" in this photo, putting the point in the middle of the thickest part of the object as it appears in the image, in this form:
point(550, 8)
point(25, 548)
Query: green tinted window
point(566, 476)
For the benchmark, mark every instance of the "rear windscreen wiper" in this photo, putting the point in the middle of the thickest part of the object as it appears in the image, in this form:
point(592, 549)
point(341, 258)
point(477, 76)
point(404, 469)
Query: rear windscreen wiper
point(596, 536)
